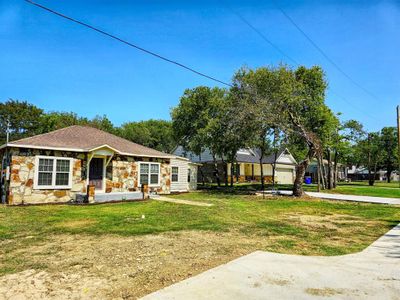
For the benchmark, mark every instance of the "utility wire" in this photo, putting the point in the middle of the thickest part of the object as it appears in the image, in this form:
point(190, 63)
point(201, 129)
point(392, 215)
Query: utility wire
point(162, 57)
point(129, 43)
point(323, 53)
point(260, 34)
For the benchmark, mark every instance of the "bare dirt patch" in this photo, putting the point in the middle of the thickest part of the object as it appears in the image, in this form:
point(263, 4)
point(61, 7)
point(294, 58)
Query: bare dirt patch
point(323, 222)
point(115, 267)
point(325, 292)
point(76, 223)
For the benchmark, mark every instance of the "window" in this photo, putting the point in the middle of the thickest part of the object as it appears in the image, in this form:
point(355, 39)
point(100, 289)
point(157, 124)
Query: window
point(174, 175)
point(149, 173)
point(53, 172)
point(189, 175)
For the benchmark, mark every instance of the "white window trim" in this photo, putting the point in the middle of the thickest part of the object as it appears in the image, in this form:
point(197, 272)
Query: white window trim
point(159, 172)
point(54, 172)
point(177, 174)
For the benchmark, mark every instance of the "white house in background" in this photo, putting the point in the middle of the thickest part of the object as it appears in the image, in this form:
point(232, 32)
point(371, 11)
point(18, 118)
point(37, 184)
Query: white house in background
point(183, 175)
point(247, 166)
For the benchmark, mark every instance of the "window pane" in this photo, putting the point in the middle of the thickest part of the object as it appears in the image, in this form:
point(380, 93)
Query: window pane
point(144, 178)
point(174, 170)
point(62, 165)
point(188, 175)
point(45, 165)
point(144, 168)
point(45, 178)
point(62, 178)
point(174, 177)
point(154, 168)
point(154, 179)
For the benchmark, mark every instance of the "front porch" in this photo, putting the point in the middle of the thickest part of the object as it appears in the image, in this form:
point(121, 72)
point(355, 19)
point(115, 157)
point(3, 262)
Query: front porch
point(100, 197)
point(247, 172)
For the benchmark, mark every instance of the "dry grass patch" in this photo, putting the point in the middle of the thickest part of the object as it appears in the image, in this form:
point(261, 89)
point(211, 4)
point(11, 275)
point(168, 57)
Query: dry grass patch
point(125, 267)
point(72, 224)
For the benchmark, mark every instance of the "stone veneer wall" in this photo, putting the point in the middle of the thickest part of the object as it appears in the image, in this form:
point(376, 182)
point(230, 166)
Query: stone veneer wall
point(121, 176)
point(22, 170)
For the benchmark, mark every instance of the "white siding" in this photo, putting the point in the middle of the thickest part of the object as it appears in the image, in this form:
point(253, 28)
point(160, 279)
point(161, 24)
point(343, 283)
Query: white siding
point(286, 159)
point(182, 184)
point(284, 176)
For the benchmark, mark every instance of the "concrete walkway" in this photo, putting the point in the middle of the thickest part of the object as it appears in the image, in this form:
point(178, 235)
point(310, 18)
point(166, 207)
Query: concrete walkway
point(354, 198)
point(180, 201)
point(342, 197)
point(371, 274)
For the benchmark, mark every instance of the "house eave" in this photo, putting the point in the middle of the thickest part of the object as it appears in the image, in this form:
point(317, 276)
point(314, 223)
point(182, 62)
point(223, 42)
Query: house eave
point(81, 150)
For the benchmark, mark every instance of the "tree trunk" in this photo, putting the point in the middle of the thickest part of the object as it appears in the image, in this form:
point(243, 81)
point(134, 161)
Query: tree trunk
point(274, 168)
point(216, 171)
point(275, 156)
point(232, 173)
point(318, 176)
point(330, 181)
point(373, 178)
point(370, 179)
point(298, 181)
point(262, 173)
point(300, 172)
point(225, 164)
point(319, 170)
point(335, 171)
point(389, 171)
point(324, 174)
point(201, 173)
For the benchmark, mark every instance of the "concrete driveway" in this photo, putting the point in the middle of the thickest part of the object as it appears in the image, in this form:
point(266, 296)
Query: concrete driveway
point(355, 198)
point(371, 274)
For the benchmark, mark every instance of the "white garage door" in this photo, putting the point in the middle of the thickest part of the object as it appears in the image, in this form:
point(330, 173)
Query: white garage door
point(284, 176)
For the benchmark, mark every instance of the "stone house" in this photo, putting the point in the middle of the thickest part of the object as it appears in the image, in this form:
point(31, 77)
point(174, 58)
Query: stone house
point(59, 166)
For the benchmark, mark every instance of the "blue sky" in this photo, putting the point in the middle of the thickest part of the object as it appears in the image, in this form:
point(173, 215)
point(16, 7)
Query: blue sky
point(61, 66)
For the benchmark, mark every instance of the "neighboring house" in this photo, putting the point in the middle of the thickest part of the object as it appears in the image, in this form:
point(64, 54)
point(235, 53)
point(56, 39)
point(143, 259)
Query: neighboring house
point(58, 166)
point(312, 170)
point(183, 174)
point(361, 173)
point(246, 168)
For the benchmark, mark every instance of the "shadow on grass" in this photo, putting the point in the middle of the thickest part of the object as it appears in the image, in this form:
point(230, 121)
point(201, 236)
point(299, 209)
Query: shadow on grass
point(241, 189)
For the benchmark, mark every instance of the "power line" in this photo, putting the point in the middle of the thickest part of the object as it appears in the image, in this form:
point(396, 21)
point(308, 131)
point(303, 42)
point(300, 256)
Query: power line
point(160, 56)
point(129, 43)
point(323, 53)
point(259, 33)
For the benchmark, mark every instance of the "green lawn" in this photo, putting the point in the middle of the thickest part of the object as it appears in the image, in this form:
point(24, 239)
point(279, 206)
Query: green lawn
point(380, 189)
point(302, 226)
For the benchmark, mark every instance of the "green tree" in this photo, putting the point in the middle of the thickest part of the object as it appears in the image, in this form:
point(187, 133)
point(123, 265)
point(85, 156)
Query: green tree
point(194, 120)
point(389, 146)
point(260, 90)
point(23, 118)
point(102, 123)
point(306, 115)
point(156, 134)
point(57, 120)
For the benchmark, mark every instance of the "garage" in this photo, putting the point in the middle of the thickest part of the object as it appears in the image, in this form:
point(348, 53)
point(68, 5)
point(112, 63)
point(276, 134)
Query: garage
point(284, 176)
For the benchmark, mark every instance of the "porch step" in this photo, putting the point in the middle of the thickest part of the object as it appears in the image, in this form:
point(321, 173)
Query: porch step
point(117, 196)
